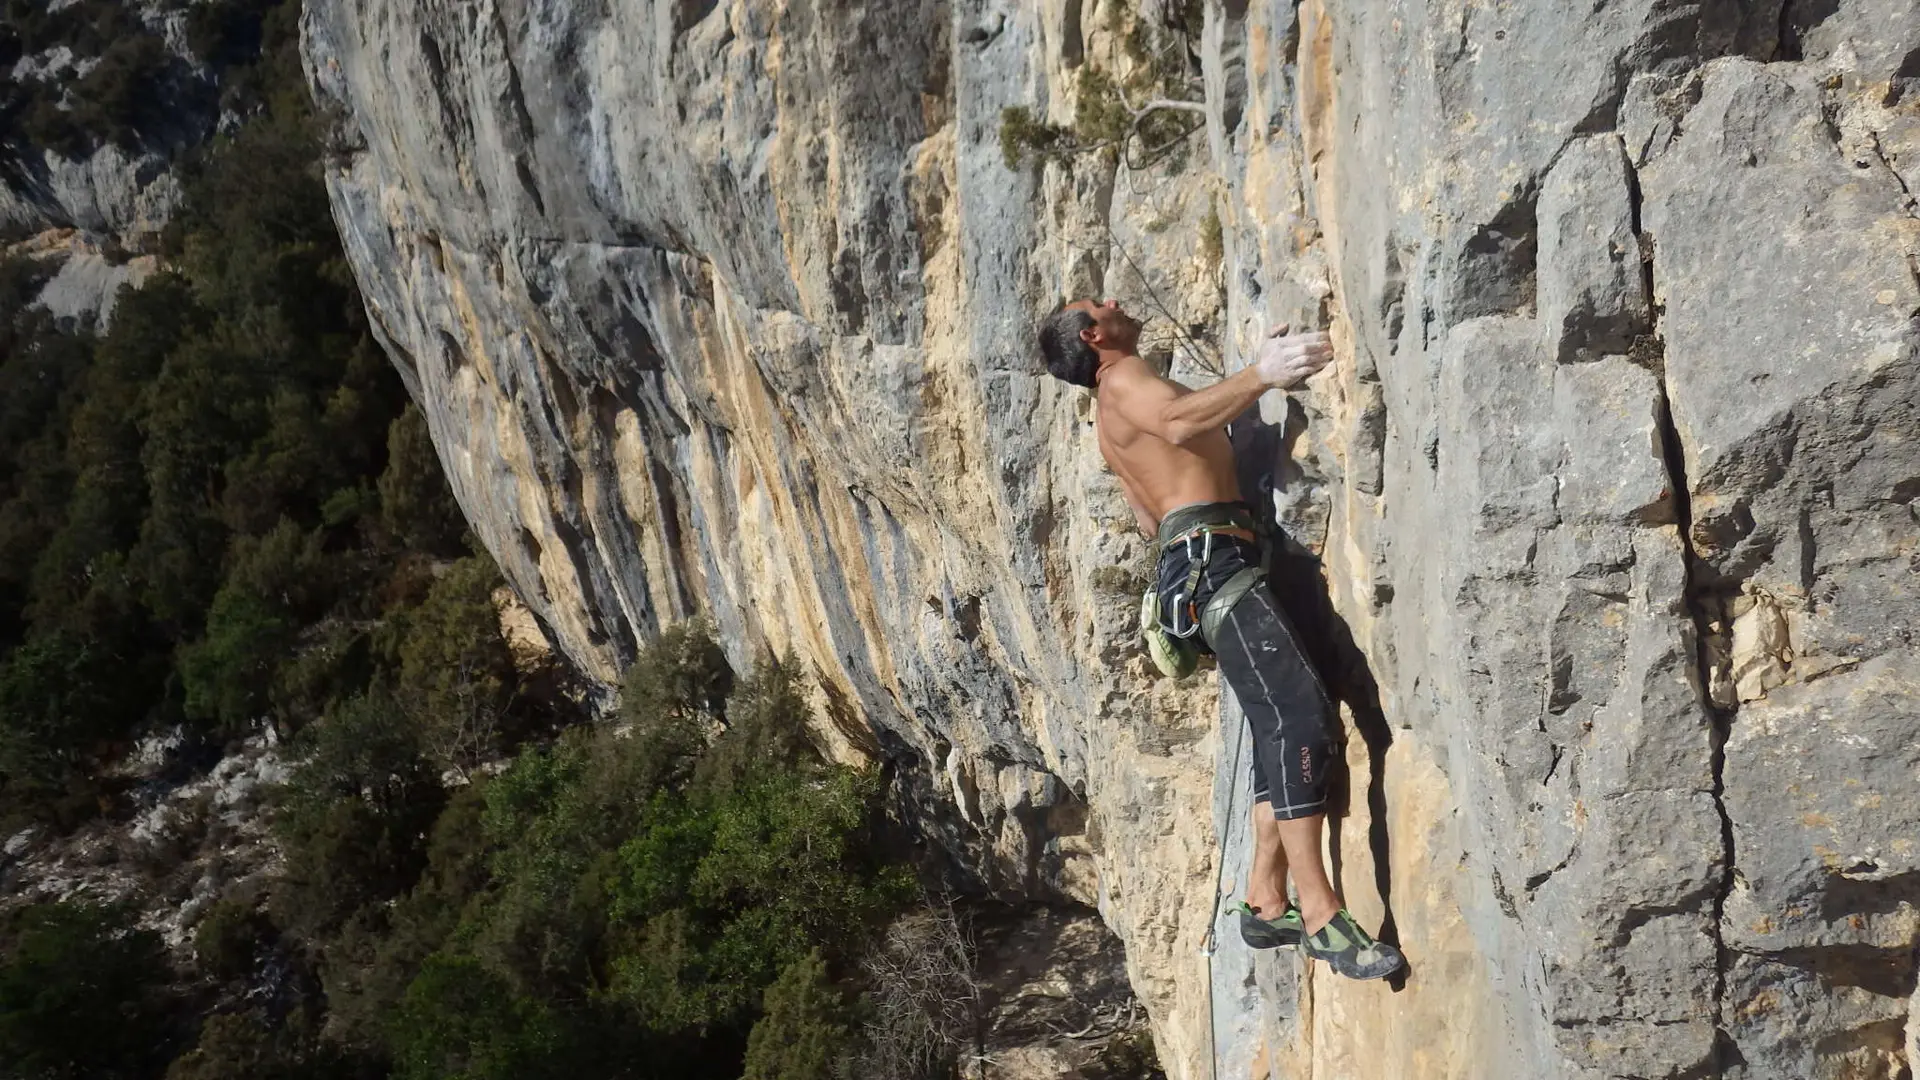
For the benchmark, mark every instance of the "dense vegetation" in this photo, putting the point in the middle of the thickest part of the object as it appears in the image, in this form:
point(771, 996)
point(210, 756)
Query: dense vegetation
point(131, 82)
point(221, 517)
point(215, 514)
point(685, 892)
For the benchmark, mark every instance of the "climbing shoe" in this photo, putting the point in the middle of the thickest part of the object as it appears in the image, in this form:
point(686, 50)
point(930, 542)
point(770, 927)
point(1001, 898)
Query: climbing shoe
point(1349, 950)
point(1261, 933)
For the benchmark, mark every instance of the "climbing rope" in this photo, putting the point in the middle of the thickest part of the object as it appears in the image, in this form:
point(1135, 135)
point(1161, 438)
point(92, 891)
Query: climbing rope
point(1193, 347)
point(1213, 912)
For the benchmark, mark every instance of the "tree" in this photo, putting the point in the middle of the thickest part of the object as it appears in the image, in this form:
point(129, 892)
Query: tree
point(803, 1030)
point(279, 583)
point(62, 696)
point(354, 816)
point(461, 1020)
point(415, 504)
point(83, 993)
point(1145, 115)
point(456, 674)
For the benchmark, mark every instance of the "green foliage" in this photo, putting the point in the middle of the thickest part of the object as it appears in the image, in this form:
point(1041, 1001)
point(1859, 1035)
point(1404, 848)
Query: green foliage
point(63, 698)
point(1139, 106)
point(82, 994)
point(121, 95)
point(229, 936)
point(804, 1029)
point(354, 817)
point(416, 506)
point(680, 681)
point(252, 1046)
point(191, 515)
point(765, 732)
point(226, 32)
point(456, 674)
point(133, 78)
point(626, 893)
point(278, 583)
point(460, 1019)
point(720, 897)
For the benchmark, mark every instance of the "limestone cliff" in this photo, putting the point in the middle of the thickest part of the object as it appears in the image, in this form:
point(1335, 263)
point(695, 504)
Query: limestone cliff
point(724, 306)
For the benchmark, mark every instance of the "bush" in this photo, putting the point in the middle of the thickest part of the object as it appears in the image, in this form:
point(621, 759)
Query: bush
point(221, 33)
point(250, 1046)
point(83, 993)
point(122, 95)
point(720, 897)
point(354, 816)
point(278, 584)
point(614, 898)
point(461, 1020)
point(415, 503)
point(765, 732)
point(803, 1031)
point(228, 939)
point(456, 675)
point(63, 698)
point(681, 680)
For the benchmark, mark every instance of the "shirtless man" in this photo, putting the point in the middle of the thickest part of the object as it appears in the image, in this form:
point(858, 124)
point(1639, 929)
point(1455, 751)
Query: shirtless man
point(1168, 445)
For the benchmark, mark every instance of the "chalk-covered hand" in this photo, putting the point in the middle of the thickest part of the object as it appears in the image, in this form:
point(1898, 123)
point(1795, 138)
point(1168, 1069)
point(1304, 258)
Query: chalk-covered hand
point(1286, 360)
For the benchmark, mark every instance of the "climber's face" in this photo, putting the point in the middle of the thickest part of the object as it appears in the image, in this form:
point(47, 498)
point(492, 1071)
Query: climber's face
point(1113, 329)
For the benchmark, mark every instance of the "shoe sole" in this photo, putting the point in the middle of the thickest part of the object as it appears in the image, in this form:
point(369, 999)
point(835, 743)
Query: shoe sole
point(1355, 978)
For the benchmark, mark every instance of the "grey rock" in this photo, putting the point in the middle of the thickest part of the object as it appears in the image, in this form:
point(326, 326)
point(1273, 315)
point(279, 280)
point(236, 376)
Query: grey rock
point(1593, 288)
point(725, 308)
point(87, 286)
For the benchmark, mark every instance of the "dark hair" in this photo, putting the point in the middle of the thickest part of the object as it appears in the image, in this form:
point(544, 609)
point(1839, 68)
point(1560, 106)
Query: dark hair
point(1068, 357)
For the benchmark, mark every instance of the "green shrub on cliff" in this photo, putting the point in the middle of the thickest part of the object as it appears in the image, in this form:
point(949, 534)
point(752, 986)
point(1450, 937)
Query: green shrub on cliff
point(1143, 104)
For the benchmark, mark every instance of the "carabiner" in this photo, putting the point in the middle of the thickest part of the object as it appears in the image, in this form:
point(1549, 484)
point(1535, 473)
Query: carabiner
point(1180, 606)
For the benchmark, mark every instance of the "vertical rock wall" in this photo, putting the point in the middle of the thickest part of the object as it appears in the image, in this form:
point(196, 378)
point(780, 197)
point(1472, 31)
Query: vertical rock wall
point(724, 306)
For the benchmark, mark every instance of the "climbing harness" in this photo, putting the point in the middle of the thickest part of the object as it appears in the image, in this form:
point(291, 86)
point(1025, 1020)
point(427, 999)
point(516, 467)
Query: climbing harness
point(1170, 644)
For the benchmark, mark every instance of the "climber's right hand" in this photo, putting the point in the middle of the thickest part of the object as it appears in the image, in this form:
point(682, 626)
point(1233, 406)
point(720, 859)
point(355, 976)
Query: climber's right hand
point(1286, 360)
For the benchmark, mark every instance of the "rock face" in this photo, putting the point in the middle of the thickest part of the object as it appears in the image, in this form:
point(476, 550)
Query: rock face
point(722, 306)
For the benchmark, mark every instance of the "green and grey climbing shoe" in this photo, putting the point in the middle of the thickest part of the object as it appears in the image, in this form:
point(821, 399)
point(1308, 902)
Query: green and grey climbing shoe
point(1261, 933)
point(1350, 951)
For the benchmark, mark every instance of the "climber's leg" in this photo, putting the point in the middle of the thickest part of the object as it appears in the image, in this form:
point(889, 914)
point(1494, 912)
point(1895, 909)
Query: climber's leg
point(1293, 725)
point(1267, 884)
point(1267, 920)
point(1300, 838)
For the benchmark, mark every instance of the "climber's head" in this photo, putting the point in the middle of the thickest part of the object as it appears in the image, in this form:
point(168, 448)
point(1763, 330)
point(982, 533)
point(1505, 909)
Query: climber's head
point(1075, 338)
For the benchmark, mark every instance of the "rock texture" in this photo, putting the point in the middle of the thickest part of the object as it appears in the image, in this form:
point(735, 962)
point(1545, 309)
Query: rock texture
point(86, 280)
point(724, 306)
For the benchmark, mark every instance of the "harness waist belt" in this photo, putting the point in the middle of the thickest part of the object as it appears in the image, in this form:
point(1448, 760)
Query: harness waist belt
point(1182, 522)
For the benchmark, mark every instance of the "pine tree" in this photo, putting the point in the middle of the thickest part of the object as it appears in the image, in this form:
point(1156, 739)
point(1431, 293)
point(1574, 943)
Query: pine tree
point(805, 1027)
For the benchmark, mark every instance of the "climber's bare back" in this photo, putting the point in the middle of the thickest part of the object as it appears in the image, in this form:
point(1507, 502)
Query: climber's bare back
point(1158, 475)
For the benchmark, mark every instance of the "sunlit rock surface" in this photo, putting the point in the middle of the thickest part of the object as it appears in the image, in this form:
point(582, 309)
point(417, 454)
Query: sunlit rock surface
point(726, 307)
